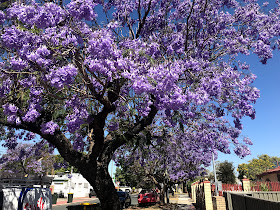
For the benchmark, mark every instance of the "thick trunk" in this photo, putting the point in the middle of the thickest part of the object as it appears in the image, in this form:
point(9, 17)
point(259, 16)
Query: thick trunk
point(106, 190)
point(162, 195)
point(100, 179)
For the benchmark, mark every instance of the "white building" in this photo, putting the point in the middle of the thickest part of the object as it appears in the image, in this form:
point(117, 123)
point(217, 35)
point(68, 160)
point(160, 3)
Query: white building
point(71, 183)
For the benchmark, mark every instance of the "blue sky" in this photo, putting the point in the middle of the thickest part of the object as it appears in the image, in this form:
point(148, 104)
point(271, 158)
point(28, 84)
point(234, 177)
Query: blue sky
point(264, 131)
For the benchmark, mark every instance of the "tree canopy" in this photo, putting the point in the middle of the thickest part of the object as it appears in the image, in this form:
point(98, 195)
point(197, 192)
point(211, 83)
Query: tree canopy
point(225, 172)
point(32, 159)
point(257, 166)
point(27, 159)
point(166, 160)
point(90, 76)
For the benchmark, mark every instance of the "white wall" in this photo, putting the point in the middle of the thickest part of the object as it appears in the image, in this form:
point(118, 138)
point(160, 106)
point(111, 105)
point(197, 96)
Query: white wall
point(76, 184)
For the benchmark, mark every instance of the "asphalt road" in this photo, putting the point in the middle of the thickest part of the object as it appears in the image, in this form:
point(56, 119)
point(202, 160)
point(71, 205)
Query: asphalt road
point(134, 202)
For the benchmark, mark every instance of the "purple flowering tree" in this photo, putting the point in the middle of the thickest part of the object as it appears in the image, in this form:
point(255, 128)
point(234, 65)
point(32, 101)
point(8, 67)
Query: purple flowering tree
point(90, 76)
point(27, 159)
point(168, 159)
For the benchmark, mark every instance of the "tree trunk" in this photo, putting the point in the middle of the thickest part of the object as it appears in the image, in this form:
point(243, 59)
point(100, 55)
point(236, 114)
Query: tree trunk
point(101, 181)
point(167, 195)
point(162, 195)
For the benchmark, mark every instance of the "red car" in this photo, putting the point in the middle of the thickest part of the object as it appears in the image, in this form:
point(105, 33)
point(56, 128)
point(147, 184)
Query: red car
point(147, 196)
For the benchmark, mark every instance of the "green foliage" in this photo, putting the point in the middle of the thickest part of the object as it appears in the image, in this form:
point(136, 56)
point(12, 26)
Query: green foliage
point(225, 172)
point(5, 4)
point(133, 176)
point(264, 187)
point(257, 166)
point(62, 166)
point(210, 176)
point(121, 177)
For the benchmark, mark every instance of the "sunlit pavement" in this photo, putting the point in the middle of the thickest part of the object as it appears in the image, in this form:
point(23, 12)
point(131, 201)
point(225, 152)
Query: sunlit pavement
point(183, 200)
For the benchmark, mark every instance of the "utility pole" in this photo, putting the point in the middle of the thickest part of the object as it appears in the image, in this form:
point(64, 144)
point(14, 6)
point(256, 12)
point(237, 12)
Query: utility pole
point(214, 169)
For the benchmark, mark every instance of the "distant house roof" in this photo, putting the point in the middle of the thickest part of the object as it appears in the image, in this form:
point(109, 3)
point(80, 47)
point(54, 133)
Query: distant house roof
point(270, 171)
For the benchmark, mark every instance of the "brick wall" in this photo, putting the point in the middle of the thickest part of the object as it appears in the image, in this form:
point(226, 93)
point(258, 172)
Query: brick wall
point(219, 203)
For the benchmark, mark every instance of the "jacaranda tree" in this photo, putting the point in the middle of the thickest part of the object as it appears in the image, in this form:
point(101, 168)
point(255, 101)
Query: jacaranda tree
point(166, 160)
point(90, 76)
point(27, 159)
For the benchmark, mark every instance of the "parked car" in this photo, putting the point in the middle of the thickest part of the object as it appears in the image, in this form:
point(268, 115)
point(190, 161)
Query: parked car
point(125, 199)
point(92, 193)
point(147, 196)
point(125, 188)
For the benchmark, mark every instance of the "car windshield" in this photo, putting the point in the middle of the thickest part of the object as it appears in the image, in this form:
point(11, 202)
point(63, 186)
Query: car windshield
point(121, 194)
point(146, 191)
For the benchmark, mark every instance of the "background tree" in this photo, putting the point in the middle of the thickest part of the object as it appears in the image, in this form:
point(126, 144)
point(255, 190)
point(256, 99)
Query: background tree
point(121, 177)
point(210, 175)
point(87, 86)
point(61, 166)
point(225, 172)
point(257, 166)
point(27, 159)
point(133, 176)
point(181, 163)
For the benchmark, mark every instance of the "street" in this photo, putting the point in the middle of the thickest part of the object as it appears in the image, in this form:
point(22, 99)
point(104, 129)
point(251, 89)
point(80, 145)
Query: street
point(134, 202)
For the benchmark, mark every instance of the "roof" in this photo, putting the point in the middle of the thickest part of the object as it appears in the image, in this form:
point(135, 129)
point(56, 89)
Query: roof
point(270, 171)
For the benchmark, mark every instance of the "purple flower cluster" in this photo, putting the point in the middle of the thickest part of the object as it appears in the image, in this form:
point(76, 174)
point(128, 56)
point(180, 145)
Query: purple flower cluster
point(11, 111)
point(31, 115)
point(78, 114)
point(2, 17)
point(79, 143)
point(16, 38)
point(49, 127)
point(44, 16)
point(62, 76)
point(82, 9)
point(248, 141)
point(242, 151)
point(18, 64)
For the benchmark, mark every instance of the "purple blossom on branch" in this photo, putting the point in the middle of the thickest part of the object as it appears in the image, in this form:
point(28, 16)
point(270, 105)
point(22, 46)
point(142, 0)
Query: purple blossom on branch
point(61, 76)
point(49, 127)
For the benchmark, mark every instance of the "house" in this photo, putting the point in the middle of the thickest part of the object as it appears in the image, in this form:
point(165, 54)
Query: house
point(71, 183)
point(271, 175)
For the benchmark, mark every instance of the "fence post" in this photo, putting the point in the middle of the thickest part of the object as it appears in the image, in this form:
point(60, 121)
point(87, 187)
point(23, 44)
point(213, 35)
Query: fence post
point(194, 189)
point(246, 184)
point(208, 196)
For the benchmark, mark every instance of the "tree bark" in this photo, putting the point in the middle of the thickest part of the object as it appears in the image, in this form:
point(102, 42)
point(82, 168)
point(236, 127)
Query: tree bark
point(162, 195)
point(167, 195)
point(101, 181)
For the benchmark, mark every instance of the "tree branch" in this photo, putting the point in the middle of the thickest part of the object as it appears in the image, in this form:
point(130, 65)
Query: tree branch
point(142, 22)
point(59, 140)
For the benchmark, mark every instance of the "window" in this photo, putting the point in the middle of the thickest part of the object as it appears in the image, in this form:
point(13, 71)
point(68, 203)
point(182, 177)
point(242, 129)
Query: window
point(80, 185)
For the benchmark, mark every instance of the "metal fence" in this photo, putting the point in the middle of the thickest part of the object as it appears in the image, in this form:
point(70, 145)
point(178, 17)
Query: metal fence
point(226, 187)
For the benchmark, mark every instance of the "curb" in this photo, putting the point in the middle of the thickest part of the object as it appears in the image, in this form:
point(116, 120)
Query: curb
point(77, 200)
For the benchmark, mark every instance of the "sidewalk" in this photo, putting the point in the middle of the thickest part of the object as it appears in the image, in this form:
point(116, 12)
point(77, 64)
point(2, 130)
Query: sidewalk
point(63, 201)
point(183, 200)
